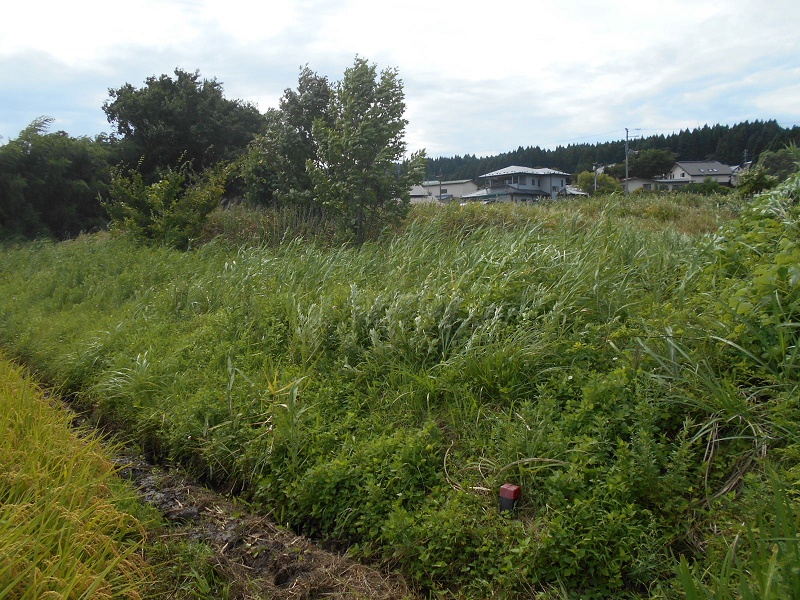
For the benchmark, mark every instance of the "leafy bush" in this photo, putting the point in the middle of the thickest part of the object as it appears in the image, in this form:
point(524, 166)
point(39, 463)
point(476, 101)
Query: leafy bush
point(171, 211)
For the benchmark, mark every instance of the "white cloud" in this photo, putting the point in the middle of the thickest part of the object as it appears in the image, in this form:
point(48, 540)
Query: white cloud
point(83, 31)
point(249, 22)
point(480, 78)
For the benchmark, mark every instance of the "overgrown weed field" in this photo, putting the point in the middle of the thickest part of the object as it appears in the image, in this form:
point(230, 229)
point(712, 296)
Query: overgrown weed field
point(632, 367)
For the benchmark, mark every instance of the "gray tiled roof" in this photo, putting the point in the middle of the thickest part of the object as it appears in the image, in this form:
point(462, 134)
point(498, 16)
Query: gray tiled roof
point(437, 182)
point(513, 170)
point(699, 168)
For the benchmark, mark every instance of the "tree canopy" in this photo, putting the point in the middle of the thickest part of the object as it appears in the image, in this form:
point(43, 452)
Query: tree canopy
point(652, 163)
point(337, 151)
point(597, 183)
point(359, 174)
point(169, 121)
point(274, 168)
point(50, 183)
point(781, 163)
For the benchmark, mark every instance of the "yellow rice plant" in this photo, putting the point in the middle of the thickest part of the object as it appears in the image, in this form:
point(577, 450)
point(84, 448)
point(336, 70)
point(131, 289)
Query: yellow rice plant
point(61, 534)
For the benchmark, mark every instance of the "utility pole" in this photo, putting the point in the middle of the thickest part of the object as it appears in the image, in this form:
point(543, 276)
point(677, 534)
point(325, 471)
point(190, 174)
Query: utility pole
point(627, 153)
point(626, 161)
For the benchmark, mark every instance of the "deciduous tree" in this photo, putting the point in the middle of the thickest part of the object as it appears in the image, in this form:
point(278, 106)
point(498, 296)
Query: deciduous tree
point(274, 168)
point(50, 182)
point(651, 164)
point(187, 118)
point(605, 183)
point(780, 163)
point(360, 176)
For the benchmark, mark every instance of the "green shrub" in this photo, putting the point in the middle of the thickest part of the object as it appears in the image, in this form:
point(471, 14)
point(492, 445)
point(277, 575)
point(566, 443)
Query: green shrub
point(171, 211)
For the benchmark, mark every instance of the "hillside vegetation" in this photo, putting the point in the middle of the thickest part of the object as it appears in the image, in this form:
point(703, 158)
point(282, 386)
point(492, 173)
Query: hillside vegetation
point(637, 378)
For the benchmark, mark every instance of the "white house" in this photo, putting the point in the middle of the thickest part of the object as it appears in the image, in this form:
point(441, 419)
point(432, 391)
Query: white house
point(515, 184)
point(450, 190)
point(697, 171)
point(442, 191)
point(633, 184)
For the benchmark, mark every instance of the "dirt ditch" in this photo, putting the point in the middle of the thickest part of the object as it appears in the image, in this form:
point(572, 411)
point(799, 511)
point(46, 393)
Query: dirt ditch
point(261, 559)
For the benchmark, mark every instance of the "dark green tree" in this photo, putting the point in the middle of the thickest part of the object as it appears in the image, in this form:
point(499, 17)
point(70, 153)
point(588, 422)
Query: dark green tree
point(617, 170)
point(359, 175)
point(274, 168)
point(168, 121)
point(50, 183)
point(651, 164)
point(780, 163)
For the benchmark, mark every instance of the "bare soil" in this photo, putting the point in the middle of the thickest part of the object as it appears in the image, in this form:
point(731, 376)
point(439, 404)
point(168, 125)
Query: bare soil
point(261, 559)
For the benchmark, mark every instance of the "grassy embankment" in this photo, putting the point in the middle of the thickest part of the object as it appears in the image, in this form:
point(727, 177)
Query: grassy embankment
point(635, 377)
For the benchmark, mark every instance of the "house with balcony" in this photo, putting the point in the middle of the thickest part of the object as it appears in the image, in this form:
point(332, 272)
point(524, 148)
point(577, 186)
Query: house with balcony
point(520, 184)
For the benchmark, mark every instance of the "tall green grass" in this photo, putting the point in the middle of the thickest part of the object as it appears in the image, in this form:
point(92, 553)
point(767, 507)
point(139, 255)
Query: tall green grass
point(61, 532)
point(380, 395)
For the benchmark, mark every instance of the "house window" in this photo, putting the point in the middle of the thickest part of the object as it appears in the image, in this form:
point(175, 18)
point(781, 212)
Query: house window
point(444, 190)
point(683, 174)
point(647, 187)
point(515, 179)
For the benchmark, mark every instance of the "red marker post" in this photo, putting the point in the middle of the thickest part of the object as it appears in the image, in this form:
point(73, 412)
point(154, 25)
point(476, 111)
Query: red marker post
point(509, 495)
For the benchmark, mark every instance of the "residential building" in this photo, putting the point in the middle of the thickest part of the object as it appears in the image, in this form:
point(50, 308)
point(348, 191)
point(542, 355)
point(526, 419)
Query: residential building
point(633, 184)
point(520, 184)
point(738, 170)
point(450, 190)
point(419, 194)
point(686, 172)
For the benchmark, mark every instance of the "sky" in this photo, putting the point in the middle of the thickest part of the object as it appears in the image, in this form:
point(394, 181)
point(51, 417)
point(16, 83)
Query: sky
point(479, 77)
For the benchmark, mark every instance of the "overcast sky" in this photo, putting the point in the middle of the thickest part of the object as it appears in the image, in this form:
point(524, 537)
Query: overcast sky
point(480, 77)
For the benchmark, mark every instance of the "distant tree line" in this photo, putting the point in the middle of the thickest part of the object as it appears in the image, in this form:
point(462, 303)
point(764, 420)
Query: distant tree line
point(730, 145)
